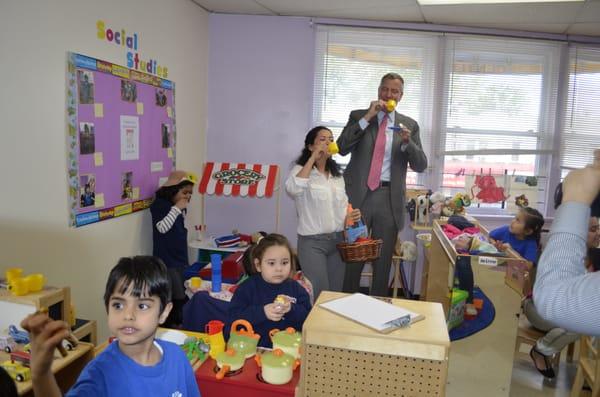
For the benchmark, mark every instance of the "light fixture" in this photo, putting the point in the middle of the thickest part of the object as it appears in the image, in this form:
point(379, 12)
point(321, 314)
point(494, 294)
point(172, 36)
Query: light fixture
point(451, 2)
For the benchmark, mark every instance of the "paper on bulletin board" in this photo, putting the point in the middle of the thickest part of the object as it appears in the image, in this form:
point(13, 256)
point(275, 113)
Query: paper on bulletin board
point(170, 153)
point(130, 138)
point(135, 193)
point(98, 159)
point(156, 166)
point(169, 112)
point(99, 202)
point(98, 110)
point(140, 108)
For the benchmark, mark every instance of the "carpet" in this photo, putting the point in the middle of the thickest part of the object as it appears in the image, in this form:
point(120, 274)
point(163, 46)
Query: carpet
point(483, 319)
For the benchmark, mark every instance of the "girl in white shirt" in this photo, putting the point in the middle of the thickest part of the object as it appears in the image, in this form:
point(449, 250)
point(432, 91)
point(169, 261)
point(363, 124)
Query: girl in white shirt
point(317, 187)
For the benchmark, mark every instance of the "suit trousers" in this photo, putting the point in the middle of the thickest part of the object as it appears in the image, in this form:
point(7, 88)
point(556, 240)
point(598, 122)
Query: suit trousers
point(377, 213)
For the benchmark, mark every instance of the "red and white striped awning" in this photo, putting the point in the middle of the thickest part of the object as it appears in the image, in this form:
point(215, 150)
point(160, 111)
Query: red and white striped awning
point(238, 179)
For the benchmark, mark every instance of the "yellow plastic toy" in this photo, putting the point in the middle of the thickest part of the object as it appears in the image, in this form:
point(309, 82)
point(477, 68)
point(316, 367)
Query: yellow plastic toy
point(333, 148)
point(390, 105)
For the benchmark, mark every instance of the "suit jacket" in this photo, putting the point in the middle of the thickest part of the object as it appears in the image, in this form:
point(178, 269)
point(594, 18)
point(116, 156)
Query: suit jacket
point(360, 144)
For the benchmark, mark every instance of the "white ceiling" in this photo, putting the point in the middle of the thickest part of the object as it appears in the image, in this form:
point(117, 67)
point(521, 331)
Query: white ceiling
point(573, 18)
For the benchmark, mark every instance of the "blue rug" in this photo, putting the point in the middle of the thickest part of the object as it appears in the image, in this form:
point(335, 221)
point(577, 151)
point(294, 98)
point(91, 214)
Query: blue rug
point(483, 319)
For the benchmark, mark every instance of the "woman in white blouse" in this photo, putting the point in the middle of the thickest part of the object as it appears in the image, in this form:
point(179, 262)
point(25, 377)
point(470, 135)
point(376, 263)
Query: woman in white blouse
point(317, 187)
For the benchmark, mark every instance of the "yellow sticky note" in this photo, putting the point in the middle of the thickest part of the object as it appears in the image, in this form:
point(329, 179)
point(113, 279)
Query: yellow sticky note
point(99, 200)
point(98, 110)
point(170, 153)
point(136, 193)
point(98, 159)
point(169, 111)
point(140, 108)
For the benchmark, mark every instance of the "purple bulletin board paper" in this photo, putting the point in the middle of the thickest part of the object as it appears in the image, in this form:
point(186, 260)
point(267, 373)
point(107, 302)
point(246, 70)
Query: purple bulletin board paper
point(121, 138)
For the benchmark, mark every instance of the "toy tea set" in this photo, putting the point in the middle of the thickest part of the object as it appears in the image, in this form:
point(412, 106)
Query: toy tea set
point(276, 366)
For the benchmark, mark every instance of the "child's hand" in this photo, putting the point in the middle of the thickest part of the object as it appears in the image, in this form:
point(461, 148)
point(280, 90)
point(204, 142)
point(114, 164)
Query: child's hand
point(273, 312)
point(182, 203)
point(44, 334)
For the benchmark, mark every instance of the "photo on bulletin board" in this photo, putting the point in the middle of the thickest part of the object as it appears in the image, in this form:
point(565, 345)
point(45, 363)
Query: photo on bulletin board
point(121, 138)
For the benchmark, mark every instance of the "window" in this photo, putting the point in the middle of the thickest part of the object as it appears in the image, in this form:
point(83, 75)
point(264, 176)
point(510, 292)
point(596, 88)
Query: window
point(485, 105)
point(581, 133)
point(349, 65)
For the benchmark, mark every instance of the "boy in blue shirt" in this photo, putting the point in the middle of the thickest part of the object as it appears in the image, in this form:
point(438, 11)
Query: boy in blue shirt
point(137, 299)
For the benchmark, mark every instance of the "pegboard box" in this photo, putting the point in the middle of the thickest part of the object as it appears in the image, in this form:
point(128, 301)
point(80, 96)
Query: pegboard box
point(343, 358)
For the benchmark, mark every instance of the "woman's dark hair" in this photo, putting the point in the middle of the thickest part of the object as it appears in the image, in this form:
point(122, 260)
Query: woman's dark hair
point(168, 192)
point(534, 221)
point(146, 274)
point(330, 165)
point(256, 251)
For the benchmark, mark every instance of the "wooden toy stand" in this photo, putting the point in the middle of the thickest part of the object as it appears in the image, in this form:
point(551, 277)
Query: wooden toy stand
point(343, 358)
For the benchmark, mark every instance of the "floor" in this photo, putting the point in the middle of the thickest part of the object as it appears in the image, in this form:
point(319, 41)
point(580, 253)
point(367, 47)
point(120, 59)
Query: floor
point(484, 364)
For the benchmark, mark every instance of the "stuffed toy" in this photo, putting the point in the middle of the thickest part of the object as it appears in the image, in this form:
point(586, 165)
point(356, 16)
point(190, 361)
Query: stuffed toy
point(422, 207)
point(408, 251)
point(436, 203)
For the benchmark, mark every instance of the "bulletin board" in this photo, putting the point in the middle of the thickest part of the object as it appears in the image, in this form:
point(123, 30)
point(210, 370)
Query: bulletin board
point(121, 138)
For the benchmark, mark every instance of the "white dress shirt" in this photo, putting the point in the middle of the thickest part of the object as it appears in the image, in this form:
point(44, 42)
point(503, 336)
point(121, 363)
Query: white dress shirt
point(386, 166)
point(321, 202)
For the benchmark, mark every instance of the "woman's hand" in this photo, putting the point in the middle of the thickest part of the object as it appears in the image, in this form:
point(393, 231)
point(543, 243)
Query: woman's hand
point(319, 150)
point(353, 216)
point(182, 203)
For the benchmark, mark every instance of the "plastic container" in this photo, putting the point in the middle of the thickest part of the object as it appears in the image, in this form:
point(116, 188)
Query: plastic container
point(457, 308)
point(215, 261)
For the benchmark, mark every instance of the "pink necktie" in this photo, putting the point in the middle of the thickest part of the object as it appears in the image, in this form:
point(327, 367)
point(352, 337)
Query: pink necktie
point(377, 159)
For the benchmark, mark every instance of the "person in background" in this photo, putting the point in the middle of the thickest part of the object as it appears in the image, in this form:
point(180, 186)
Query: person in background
point(564, 293)
point(556, 338)
point(257, 299)
point(169, 235)
point(317, 187)
point(523, 234)
point(376, 174)
point(137, 299)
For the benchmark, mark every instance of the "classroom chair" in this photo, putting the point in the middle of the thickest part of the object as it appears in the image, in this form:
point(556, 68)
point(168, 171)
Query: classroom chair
point(588, 368)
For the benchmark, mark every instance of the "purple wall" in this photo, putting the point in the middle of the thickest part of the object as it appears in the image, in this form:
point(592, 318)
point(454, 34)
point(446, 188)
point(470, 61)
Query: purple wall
point(260, 79)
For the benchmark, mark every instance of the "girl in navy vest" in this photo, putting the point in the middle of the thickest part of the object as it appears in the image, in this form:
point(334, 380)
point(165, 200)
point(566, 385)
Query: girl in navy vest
point(169, 235)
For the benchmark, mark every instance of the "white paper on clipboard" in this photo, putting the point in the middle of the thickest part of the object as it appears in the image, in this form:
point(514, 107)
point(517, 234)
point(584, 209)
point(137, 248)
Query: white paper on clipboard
point(371, 312)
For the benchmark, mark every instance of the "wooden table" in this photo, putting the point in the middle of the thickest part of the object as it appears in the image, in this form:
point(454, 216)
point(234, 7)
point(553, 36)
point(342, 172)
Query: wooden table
point(65, 369)
point(342, 357)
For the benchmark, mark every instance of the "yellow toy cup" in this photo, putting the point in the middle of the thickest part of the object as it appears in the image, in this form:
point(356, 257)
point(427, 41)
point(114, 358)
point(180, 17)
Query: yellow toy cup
point(195, 282)
point(35, 282)
point(18, 286)
point(390, 105)
point(333, 148)
point(13, 273)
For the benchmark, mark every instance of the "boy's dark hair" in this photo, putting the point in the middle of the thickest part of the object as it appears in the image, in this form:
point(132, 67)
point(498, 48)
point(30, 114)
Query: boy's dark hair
point(330, 164)
point(7, 385)
point(147, 275)
point(534, 221)
point(168, 192)
point(256, 251)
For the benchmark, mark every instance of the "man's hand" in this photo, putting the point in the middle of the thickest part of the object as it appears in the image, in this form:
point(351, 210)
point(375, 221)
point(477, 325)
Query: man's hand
point(404, 134)
point(374, 108)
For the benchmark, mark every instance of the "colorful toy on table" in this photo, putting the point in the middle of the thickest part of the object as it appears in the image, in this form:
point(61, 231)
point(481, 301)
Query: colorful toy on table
point(276, 367)
point(436, 203)
point(282, 301)
point(456, 205)
point(196, 350)
point(229, 361)
point(288, 340)
point(18, 335)
point(243, 339)
point(228, 241)
point(7, 343)
point(16, 371)
point(216, 341)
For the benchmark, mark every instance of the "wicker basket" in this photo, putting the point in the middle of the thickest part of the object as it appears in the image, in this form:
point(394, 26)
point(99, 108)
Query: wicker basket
point(360, 252)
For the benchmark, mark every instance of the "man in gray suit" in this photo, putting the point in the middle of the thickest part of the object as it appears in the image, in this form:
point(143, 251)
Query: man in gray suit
point(383, 143)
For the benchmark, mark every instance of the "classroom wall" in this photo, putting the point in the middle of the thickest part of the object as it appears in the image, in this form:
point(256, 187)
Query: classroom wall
point(259, 110)
point(34, 39)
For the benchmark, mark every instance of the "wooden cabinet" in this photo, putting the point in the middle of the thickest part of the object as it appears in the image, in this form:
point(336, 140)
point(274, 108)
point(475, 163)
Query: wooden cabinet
point(341, 357)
